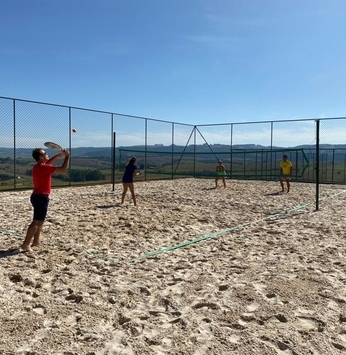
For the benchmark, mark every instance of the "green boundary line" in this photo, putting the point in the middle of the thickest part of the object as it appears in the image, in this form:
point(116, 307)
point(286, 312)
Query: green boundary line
point(87, 252)
point(188, 242)
point(223, 231)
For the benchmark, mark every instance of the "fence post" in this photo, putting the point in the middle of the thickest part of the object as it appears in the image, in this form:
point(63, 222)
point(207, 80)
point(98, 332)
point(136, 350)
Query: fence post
point(317, 162)
point(14, 145)
point(146, 148)
point(172, 160)
point(113, 161)
point(271, 148)
point(194, 153)
point(333, 166)
point(70, 141)
point(231, 151)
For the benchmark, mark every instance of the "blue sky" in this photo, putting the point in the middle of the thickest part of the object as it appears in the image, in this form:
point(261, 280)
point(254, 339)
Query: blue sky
point(189, 61)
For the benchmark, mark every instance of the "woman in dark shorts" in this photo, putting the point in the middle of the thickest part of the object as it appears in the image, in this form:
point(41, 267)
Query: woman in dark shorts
point(130, 172)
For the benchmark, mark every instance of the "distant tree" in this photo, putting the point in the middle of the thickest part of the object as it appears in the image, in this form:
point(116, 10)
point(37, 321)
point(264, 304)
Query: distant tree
point(92, 175)
point(60, 176)
point(4, 177)
point(76, 175)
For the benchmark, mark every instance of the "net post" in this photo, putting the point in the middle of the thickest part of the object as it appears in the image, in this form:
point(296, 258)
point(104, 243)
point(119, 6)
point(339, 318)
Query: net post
point(317, 162)
point(113, 160)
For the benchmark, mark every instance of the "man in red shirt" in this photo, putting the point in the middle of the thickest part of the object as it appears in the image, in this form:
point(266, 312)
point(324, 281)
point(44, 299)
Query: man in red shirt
point(42, 179)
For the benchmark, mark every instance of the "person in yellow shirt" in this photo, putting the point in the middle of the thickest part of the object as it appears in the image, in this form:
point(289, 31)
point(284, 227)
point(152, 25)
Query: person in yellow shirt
point(286, 173)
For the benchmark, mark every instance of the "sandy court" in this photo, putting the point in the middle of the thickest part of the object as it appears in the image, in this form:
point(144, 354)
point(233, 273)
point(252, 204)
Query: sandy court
point(190, 270)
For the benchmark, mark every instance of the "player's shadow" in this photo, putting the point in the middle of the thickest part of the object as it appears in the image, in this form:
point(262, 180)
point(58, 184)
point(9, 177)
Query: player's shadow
point(104, 207)
point(278, 193)
point(5, 253)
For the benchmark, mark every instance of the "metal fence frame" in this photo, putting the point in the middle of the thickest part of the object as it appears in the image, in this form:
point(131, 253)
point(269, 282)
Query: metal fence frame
point(317, 168)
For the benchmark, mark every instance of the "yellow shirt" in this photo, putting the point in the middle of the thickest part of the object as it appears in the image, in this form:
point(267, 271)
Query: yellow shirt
point(286, 167)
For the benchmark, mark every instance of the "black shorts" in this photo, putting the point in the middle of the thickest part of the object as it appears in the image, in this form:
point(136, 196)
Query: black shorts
point(127, 179)
point(40, 204)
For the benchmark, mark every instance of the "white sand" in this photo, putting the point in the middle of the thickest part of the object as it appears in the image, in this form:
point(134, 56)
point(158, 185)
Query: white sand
point(269, 278)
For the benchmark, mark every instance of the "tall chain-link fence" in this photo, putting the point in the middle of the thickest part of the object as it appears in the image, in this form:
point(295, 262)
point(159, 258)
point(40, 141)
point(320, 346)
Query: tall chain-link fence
point(105, 141)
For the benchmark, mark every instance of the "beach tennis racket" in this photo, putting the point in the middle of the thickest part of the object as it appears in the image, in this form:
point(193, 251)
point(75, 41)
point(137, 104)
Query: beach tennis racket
point(52, 145)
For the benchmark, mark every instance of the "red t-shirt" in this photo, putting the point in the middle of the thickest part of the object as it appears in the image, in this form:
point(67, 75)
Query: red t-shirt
point(42, 178)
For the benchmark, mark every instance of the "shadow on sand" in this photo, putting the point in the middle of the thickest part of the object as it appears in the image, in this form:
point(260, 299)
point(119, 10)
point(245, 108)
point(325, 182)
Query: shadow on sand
point(9, 252)
point(278, 193)
point(104, 207)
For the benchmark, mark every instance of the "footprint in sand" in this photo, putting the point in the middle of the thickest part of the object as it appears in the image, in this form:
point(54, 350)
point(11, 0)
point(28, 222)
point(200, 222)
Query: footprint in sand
point(73, 319)
point(309, 324)
point(281, 347)
point(253, 306)
point(234, 339)
point(40, 310)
